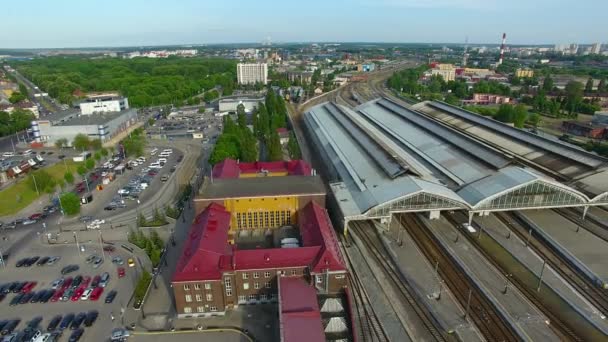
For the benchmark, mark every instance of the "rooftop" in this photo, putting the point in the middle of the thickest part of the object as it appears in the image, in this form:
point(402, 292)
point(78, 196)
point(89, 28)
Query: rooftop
point(208, 253)
point(299, 314)
point(230, 168)
point(95, 119)
point(262, 187)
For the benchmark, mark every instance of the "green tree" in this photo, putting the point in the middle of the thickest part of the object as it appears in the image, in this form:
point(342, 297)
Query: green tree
point(602, 87)
point(548, 84)
point(589, 85)
point(69, 177)
point(534, 119)
point(505, 113)
point(241, 117)
point(274, 147)
point(520, 115)
point(82, 170)
point(41, 181)
point(70, 203)
point(141, 221)
point(81, 142)
point(574, 96)
point(61, 143)
point(97, 156)
point(89, 164)
point(156, 240)
point(293, 148)
point(95, 144)
point(515, 81)
point(17, 97)
point(104, 151)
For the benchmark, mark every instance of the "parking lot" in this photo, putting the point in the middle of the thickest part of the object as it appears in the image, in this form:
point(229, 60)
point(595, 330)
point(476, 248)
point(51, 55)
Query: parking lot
point(45, 275)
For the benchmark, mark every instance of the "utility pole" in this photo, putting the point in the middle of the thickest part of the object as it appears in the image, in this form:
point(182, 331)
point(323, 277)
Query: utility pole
point(466, 313)
point(529, 236)
point(540, 278)
point(35, 184)
point(77, 244)
point(101, 246)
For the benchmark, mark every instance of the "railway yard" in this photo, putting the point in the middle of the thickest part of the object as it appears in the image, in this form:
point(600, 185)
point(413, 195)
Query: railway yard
point(457, 227)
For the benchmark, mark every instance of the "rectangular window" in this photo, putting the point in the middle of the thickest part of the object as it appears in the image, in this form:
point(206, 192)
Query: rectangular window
point(319, 279)
point(267, 285)
point(199, 298)
point(245, 286)
point(187, 309)
point(228, 285)
point(200, 309)
point(256, 275)
point(197, 286)
point(209, 297)
point(242, 298)
point(263, 297)
point(207, 286)
point(294, 272)
point(273, 296)
point(245, 275)
point(340, 276)
point(186, 287)
point(256, 285)
point(228, 292)
point(213, 308)
point(252, 297)
point(188, 298)
point(266, 274)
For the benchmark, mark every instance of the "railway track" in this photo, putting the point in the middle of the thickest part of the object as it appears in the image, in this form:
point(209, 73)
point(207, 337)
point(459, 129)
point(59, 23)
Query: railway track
point(558, 325)
point(369, 237)
point(591, 223)
point(482, 312)
point(583, 285)
point(369, 326)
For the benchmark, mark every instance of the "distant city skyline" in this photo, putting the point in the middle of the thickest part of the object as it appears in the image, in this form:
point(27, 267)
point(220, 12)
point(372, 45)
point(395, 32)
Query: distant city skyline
point(113, 23)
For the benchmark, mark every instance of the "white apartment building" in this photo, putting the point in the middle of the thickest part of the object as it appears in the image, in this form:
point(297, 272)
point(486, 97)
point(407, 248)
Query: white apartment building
point(103, 103)
point(251, 73)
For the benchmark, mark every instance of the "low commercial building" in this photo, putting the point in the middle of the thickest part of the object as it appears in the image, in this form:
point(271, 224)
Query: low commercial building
point(213, 275)
point(229, 105)
point(487, 99)
point(23, 105)
point(303, 77)
point(103, 103)
point(252, 73)
point(68, 124)
point(589, 130)
point(524, 73)
point(446, 71)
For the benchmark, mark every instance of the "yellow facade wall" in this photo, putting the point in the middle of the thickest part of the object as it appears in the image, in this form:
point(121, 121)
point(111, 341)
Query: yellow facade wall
point(269, 174)
point(262, 212)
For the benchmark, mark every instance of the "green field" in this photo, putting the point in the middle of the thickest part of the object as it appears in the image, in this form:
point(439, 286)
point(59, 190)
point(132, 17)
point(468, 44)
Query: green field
point(20, 195)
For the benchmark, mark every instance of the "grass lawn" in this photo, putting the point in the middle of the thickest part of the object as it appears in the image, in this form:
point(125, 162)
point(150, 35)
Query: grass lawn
point(8, 197)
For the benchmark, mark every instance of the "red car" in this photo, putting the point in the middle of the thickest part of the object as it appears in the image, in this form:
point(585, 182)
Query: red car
point(57, 295)
point(28, 287)
point(36, 216)
point(85, 282)
point(121, 272)
point(66, 283)
point(76, 295)
point(96, 293)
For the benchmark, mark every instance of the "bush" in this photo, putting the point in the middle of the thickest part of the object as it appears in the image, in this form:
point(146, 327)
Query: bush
point(90, 164)
point(41, 181)
point(172, 212)
point(81, 170)
point(69, 177)
point(142, 287)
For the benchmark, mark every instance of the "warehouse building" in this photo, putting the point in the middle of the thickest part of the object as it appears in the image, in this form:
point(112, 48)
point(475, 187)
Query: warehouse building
point(229, 105)
point(103, 103)
point(70, 123)
point(383, 158)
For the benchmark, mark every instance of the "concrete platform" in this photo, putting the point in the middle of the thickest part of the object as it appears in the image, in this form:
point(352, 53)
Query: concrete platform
point(420, 274)
point(600, 213)
point(526, 256)
point(585, 247)
point(526, 318)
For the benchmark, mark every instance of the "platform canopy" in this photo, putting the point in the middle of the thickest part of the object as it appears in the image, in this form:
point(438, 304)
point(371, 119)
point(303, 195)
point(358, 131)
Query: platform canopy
point(601, 199)
point(515, 188)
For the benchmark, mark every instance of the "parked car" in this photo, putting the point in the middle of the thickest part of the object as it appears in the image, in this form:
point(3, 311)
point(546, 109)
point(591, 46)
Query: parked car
point(131, 262)
point(26, 297)
point(28, 222)
point(16, 299)
point(47, 295)
point(43, 261)
point(78, 321)
point(86, 294)
point(67, 320)
point(110, 296)
point(76, 295)
point(29, 286)
point(104, 279)
point(57, 283)
point(118, 260)
point(76, 335)
point(97, 262)
point(96, 293)
point(109, 248)
point(53, 260)
point(121, 272)
point(70, 269)
point(10, 326)
point(91, 318)
point(119, 334)
point(57, 295)
point(95, 281)
point(53, 323)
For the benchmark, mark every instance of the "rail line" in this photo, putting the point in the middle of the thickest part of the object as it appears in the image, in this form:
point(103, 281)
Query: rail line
point(369, 327)
point(590, 223)
point(482, 312)
point(557, 324)
point(585, 286)
point(369, 237)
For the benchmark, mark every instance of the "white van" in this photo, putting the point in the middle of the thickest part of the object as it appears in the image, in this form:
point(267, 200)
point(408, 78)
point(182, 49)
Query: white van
point(27, 152)
point(164, 155)
point(8, 154)
point(153, 152)
point(155, 165)
point(162, 160)
point(168, 150)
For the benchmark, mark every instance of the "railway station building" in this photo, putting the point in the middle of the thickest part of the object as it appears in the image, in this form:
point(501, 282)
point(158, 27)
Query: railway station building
point(382, 158)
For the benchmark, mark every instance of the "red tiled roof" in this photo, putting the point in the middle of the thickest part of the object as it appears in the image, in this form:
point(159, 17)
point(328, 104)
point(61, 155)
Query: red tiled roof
point(206, 247)
point(282, 131)
point(300, 317)
point(316, 230)
point(252, 259)
point(230, 168)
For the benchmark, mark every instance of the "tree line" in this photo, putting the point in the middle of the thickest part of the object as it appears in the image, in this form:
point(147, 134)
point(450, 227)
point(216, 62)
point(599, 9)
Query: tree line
point(16, 121)
point(145, 81)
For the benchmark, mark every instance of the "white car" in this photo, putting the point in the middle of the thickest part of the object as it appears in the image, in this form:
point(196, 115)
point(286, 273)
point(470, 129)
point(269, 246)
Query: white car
point(162, 160)
point(155, 166)
point(8, 154)
point(86, 294)
point(123, 192)
point(57, 283)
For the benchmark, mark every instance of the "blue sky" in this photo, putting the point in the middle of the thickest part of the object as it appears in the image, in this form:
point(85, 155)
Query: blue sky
point(71, 23)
